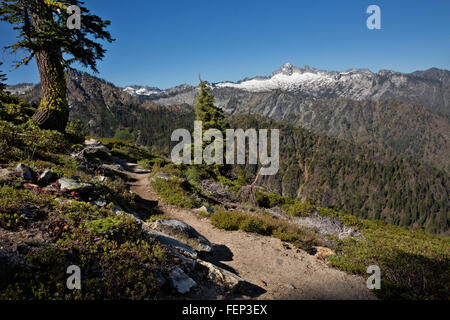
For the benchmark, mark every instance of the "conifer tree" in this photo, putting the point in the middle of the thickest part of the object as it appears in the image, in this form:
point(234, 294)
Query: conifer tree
point(45, 36)
point(211, 117)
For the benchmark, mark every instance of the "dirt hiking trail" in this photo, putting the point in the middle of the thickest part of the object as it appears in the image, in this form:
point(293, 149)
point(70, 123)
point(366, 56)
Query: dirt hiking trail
point(278, 269)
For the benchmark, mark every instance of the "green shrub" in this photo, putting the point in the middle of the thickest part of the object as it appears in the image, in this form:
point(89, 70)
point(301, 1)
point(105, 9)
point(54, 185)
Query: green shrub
point(298, 209)
point(11, 221)
point(127, 150)
point(150, 163)
point(346, 219)
point(77, 147)
point(270, 200)
point(255, 225)
point(326, 212)
point(114, 191)
point(266, 225)
point(146, 163)
point(176, 191)
point(28, 141)
point(233, 184)
point(156, 217)
point(76, 132)
point(227, 220)
point(124, 134)
point(171, 168)
point(249, 207)
point(68, 162)
point(110, 270)
point(21, 138)
point(18, 207)
point(113, 227)
point(193, 174)
point(14, 110)
point(116, 260)
point(414, 264)
point(63, 166)
point(159, 162)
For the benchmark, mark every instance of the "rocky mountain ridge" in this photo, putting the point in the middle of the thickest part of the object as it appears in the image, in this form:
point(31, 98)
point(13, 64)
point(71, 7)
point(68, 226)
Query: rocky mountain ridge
point(430, 87)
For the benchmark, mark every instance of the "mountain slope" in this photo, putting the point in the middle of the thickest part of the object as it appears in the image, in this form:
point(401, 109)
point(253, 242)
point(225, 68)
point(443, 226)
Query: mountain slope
point(405, 128)
point(366, 182)
point(105, 109)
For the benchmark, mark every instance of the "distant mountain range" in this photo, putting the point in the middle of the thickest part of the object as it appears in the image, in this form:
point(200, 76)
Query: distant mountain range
point(20, 88)
point(430, 88)
point(408, 113)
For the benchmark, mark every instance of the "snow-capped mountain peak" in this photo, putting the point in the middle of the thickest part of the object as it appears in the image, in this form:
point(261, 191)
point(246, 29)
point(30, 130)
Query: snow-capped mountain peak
point(135, 90)
point(308, 83)
point(287, 68)
point(288, 78)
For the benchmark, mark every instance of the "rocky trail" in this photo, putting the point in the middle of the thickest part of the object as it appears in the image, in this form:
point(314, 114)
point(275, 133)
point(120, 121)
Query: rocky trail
point(272, 269)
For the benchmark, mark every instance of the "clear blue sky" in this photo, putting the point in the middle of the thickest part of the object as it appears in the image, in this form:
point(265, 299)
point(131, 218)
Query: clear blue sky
point(165, 43)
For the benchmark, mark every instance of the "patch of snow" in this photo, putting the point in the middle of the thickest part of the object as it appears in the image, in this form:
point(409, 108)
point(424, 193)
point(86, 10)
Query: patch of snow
point(284, 80)
point(141, 90)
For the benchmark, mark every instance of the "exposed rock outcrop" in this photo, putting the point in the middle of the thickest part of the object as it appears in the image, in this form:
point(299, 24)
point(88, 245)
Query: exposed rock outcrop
point(181, 281)
point(184, 233)
point(224, 278)
point(71, 185)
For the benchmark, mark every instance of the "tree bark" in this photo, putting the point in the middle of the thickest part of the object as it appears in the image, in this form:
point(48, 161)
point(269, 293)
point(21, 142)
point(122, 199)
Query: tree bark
point(53, 111)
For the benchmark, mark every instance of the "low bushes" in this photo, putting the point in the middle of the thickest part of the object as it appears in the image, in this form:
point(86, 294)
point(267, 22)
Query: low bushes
point(227, 220)
point(347, 219)
point(270, 200)
point(21, 138)
point(18, 207)
point(176, 191)
point(116, 259)
point(266, 225)
point(130, 151)
point(28, 141)
point(150, 163)
point(45, 234)
point(14, 110)
point(414, 264)
point(76, 132)
point(291, 207)
point(298, 209)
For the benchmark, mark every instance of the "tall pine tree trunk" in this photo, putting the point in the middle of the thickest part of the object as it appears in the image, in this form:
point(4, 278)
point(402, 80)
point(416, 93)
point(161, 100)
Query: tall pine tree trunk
point(53, 111)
